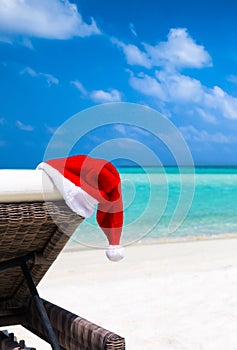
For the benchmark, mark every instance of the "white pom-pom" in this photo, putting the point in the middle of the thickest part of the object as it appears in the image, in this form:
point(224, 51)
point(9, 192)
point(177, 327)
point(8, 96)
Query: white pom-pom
point(115, 252)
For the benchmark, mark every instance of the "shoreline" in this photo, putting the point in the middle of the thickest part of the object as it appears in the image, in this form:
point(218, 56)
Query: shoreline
point(77, 246)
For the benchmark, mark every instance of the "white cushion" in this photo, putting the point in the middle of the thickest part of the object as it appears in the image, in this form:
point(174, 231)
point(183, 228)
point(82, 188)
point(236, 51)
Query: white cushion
point(26, 186)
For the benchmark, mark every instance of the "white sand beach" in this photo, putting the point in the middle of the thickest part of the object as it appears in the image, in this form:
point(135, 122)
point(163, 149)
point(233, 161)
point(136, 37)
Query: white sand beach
point(174, 296)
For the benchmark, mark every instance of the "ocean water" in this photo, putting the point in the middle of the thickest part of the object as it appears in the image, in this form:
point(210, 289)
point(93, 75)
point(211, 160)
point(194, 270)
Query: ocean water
point(163, 204)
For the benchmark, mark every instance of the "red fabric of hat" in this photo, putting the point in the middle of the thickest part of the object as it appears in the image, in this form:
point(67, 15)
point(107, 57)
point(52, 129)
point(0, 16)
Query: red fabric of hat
point(101, 180)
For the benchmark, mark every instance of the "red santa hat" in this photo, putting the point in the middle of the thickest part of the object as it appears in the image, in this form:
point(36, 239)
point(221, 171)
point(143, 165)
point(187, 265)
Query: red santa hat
point(84, 182)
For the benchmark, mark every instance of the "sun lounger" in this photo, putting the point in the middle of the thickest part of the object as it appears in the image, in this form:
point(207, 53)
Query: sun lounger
point(34, 228)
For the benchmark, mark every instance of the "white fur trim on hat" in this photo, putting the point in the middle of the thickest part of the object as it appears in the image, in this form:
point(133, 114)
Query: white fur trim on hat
point(115, 252)
point(78, 200)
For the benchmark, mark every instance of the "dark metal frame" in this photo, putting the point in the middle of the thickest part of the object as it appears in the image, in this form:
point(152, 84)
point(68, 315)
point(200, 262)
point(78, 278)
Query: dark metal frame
point(22, 262)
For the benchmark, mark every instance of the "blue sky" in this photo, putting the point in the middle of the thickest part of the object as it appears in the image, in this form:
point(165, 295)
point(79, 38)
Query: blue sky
point(58, 58)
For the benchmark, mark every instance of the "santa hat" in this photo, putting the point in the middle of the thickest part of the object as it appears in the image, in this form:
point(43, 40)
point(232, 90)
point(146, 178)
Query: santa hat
point(84, 182)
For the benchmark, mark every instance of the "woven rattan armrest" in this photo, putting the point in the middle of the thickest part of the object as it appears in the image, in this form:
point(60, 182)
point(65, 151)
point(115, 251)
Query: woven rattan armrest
point(73, 332)
point(39, 231)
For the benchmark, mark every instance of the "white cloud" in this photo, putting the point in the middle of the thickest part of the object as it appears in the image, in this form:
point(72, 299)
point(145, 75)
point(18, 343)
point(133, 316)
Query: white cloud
point(132, 28)
point(190, 133)
point(187, 93)
point(208, 117)
point(27, 43)
point(23, 126)
point(50, 79)
point(53, 130)
point(54, 19)
point(174, 88)
point(98, 96)
point(29, 71)
point(120, 128)
point(133, 54)
point(80, 87)
point(148, 86)
point(168, 86)
point(102, 96)
point(232, 78)
point(218, 100)
point(4, 38)
point(179, 51)
point(131, 131)
point(180, 88)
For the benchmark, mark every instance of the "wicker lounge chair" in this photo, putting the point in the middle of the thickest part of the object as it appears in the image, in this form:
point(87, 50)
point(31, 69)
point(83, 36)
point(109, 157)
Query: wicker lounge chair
point(34, 228)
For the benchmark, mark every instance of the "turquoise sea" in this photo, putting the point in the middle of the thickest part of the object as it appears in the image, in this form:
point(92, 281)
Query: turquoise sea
point(172, 204)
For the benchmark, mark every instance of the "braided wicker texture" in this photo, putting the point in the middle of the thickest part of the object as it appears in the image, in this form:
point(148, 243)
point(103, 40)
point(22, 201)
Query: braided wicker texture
point(73, 331)
point(43, 228)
